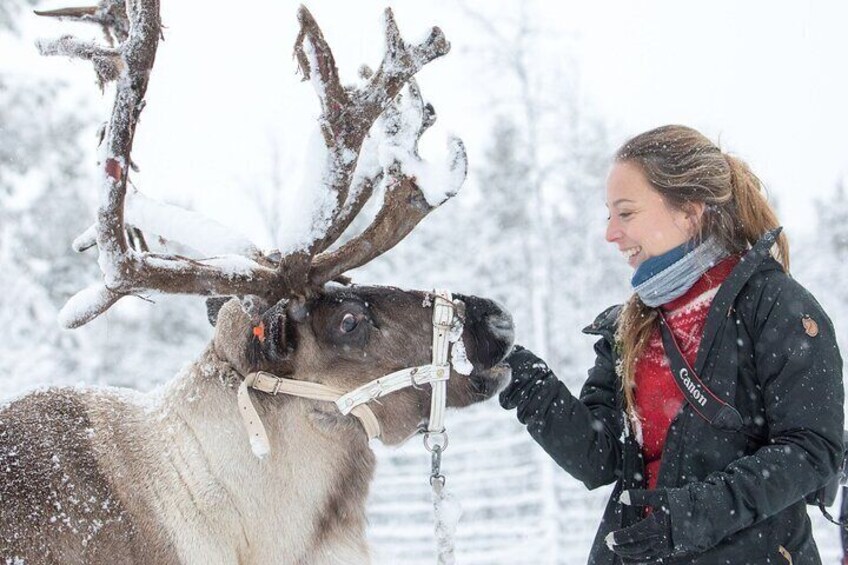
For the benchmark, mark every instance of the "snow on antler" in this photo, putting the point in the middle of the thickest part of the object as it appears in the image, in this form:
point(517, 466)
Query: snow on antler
point(354, 164)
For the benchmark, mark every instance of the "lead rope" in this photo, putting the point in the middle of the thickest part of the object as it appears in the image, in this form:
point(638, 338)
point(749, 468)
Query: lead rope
point(446, 509)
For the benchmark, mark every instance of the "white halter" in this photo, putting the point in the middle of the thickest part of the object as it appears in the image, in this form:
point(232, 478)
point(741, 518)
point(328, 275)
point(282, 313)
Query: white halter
point(356, 401)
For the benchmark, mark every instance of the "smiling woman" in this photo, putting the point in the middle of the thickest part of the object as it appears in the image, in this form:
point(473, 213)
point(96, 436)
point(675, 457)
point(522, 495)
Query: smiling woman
point(703, 475)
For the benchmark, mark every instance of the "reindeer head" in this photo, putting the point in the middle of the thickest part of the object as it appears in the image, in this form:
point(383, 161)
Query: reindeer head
point(349, 335)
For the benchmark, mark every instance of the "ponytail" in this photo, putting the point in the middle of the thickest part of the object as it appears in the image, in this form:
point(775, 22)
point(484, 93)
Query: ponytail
point(755, 216)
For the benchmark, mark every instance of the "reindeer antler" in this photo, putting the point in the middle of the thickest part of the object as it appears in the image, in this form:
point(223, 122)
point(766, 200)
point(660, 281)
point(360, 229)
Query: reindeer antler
point(352, 167)
point(346, 120)
point(405, 204)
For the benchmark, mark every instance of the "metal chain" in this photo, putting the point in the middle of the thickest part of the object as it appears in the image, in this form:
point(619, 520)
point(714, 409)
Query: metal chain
point(436, 443)
point(436, 466)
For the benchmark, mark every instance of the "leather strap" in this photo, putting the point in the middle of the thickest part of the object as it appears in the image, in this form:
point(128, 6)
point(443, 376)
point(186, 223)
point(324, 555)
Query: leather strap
point(259, 443)
point(706, 404)
point(390, 383)
point(443, 313)
point(272, 384)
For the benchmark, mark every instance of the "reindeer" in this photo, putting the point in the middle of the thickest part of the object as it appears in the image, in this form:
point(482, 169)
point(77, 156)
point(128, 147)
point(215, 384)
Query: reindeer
point(258, 452)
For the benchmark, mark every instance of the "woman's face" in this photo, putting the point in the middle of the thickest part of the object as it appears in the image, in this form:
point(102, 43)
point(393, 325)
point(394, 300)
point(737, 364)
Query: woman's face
point(641, 224)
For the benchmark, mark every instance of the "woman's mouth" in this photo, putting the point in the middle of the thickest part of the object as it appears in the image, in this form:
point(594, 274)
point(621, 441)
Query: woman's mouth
point(630, 253)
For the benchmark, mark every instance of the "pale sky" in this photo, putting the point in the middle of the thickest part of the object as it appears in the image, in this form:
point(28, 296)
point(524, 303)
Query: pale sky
point(766, 78)
point(769, 79)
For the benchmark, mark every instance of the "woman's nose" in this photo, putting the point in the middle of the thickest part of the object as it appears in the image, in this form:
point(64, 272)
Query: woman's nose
point(613, 232)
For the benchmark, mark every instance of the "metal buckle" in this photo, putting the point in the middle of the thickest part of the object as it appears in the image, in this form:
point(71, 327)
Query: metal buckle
point(416, 374)
point(278, 382)
point(436, 440)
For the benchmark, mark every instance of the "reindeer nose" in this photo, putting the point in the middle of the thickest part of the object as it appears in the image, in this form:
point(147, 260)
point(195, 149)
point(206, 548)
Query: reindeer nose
point(500, 323)
point(495, 321)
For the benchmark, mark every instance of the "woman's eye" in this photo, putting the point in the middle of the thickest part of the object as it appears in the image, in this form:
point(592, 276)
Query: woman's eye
point(349, 323)
point(625, 215)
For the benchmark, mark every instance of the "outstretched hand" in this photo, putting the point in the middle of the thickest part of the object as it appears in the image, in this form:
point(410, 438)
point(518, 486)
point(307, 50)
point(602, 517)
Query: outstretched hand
point(528, 370)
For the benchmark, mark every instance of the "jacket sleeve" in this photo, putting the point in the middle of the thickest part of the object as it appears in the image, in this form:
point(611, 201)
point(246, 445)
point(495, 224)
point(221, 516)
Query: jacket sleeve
point(800, 371)
point(581, 435)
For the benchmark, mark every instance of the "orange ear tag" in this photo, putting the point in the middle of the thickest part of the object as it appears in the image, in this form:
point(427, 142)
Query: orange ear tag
point(259, 332)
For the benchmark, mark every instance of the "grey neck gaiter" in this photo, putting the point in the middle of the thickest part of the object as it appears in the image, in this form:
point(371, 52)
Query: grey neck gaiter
point(673, 281)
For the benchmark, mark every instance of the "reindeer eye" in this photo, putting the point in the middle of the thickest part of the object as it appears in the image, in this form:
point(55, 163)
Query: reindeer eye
point(349, 323)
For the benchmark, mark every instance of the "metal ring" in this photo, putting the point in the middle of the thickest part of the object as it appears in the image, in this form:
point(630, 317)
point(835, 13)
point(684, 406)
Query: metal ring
point(438, 437)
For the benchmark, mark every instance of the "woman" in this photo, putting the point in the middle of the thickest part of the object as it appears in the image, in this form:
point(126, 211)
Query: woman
point(694, 487)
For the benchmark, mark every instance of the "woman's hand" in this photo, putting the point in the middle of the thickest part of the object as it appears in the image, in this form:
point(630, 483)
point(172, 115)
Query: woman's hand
point(528, 374)
point(648, 539)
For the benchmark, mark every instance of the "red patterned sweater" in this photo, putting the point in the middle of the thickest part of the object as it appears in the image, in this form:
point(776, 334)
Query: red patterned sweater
point(658, 400)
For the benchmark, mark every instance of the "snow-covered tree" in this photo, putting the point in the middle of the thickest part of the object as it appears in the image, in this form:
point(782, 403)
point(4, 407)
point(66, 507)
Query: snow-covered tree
point(821, 261)
point(41, 210)
point(10, 11)
point(47, 199)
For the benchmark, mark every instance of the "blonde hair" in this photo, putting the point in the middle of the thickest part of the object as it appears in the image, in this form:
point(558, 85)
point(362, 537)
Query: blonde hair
point(684, 166)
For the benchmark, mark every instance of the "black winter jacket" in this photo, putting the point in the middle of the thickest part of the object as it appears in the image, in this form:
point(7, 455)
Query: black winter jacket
point(736, 497)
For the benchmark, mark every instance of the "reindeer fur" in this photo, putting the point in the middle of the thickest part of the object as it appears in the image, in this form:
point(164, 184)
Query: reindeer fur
point(105, 475)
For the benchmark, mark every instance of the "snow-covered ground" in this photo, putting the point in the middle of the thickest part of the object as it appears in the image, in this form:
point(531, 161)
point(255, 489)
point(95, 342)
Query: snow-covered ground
point(518, 507)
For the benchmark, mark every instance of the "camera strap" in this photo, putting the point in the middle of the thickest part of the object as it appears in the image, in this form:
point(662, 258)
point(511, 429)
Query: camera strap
point(702, 400)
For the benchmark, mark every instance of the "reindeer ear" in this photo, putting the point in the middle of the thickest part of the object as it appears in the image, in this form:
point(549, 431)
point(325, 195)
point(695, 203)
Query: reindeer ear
point(213, 306)
point(268, 340)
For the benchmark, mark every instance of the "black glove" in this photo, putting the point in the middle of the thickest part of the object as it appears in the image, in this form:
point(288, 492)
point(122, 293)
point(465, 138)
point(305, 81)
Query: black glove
point(530, 375)
point(647, 540)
